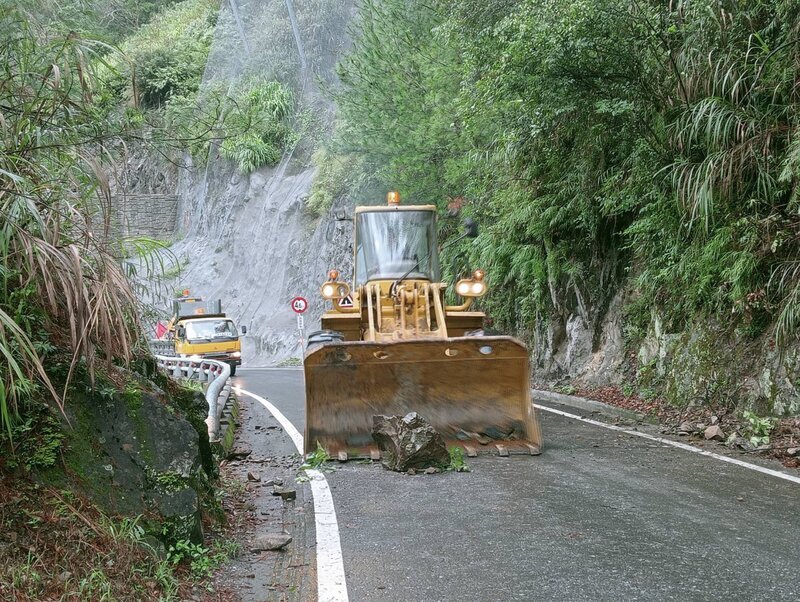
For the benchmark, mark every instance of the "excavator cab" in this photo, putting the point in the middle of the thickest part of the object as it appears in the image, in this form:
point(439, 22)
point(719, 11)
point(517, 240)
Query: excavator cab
point(391, 346)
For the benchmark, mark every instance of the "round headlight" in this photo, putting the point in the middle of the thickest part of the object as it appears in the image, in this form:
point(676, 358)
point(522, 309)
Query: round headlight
point(478, 288)
point(328, 291)
point(463, 288)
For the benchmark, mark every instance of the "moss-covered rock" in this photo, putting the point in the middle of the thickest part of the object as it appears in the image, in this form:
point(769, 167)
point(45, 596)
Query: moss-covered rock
point(140, 450)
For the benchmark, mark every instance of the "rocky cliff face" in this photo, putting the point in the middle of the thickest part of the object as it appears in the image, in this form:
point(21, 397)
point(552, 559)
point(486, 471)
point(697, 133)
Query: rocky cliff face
point(694, 364)
point(248, 240)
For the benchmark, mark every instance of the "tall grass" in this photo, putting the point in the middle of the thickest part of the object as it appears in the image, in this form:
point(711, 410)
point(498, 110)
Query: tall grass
point(56, 130)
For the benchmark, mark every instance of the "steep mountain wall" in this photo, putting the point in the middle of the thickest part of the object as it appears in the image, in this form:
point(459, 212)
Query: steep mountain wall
point(251, 243)
point(247, 238)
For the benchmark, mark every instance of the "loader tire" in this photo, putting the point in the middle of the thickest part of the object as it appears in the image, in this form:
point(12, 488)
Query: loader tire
point(324, 336)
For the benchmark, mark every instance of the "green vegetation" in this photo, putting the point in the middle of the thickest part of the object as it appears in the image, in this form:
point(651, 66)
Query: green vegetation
point(457, 461)
point(159, 72)
point(202, 561)
point(82, 82)
point(166, 58)
point(63, 282)
point(603, 145)
point(317, 460)
point(107, 20)
point(257, 128)
point(35, 440)
point(337, 175)
point(758, 428)
point(67, 547)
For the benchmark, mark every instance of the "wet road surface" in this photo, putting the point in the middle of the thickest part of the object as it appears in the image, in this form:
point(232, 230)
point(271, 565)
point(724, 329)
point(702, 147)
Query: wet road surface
point(600, 515)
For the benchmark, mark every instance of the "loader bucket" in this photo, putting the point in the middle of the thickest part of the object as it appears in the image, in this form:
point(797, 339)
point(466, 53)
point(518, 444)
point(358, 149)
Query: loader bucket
point(473, 390)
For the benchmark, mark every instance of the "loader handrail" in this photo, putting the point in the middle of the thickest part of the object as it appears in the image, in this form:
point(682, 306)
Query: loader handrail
point(215, 374)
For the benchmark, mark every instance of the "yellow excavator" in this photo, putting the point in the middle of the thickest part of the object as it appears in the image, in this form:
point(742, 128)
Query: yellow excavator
point(391, 345)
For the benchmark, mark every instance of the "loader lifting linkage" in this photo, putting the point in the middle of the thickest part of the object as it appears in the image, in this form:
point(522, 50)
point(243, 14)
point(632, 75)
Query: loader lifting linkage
point(392, 346)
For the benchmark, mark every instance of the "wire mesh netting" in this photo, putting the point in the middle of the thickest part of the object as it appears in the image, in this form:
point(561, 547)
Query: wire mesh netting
point(246, 237)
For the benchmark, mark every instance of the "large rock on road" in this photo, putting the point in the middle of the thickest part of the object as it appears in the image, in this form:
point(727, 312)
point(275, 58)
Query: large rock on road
point(409, 442)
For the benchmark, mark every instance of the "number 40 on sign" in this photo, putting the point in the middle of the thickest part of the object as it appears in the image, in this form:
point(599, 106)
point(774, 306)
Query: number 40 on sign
point(299, 305)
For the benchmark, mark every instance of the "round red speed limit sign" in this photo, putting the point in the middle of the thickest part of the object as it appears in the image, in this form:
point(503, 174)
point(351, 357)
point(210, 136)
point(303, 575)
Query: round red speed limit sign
point(299, 305)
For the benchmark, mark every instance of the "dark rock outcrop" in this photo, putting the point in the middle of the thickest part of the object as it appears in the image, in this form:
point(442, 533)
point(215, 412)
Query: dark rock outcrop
point(141, 452)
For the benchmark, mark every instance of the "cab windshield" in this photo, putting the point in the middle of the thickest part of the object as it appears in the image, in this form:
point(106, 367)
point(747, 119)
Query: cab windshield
point(210, 330)
point(393, 243)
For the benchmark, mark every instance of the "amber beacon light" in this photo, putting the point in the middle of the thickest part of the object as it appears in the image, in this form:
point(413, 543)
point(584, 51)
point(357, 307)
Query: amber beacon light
point(332, 288)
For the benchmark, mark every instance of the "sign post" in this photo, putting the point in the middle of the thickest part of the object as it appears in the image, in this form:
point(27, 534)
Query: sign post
point(299, 306)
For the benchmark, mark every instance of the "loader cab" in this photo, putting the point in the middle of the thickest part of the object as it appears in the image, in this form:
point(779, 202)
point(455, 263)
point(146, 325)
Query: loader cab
point(396, 242)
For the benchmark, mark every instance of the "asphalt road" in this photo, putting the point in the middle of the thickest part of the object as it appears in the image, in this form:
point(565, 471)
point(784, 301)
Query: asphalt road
point(599, 515)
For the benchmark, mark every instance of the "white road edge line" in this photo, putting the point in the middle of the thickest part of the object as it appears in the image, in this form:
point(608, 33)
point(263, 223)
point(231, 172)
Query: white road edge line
point(331, 582)
point(683, 446)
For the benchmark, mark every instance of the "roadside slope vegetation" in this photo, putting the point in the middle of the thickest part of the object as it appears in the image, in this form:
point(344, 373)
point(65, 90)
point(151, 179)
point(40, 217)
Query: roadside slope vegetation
point(106, 473)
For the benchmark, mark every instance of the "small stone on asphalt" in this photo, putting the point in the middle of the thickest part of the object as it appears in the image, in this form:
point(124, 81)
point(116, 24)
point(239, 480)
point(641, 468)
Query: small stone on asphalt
point(253, 476)
point(286, 493)
point(238, 453)
point(270, 541)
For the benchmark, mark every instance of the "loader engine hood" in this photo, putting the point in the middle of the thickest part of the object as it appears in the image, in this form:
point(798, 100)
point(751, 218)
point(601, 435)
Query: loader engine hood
point(394, 242)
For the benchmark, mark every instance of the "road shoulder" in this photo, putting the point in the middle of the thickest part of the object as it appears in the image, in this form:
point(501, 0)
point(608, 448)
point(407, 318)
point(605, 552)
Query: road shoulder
point(262, 458)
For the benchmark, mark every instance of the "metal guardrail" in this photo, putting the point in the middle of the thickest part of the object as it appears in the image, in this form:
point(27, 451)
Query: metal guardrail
point(216, 374)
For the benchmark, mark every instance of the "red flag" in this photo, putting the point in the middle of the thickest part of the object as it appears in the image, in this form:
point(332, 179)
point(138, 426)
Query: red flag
point(161, 330)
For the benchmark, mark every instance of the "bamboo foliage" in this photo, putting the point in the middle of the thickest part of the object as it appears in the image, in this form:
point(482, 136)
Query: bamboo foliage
point(54, 201)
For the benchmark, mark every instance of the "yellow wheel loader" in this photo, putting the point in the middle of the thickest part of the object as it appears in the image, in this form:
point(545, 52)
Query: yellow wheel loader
point(391, 346)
